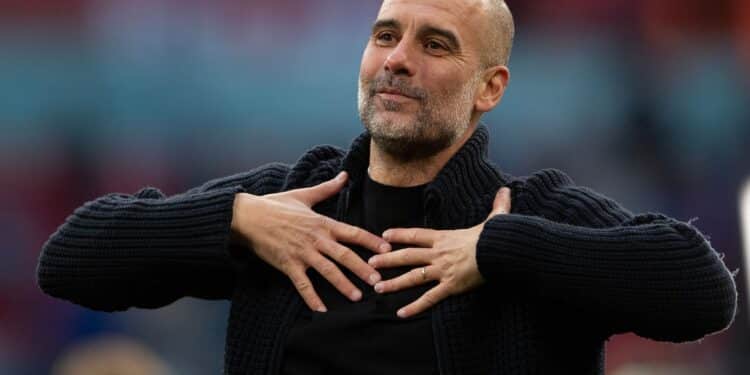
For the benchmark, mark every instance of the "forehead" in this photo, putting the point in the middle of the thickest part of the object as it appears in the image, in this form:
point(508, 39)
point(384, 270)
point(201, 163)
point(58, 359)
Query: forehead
point(460, 16)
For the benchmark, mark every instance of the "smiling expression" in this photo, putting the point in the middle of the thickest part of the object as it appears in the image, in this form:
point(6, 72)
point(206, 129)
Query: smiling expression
point(419, 75)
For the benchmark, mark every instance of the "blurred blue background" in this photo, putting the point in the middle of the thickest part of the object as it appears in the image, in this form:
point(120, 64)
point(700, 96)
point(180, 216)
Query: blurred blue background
point(644, 101)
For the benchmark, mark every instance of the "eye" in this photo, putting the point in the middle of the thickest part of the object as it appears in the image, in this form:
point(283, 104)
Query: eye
point(434, 45)
point(385, 37)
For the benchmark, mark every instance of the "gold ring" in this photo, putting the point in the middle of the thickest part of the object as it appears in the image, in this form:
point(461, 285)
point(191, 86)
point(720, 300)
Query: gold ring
point(424, 274)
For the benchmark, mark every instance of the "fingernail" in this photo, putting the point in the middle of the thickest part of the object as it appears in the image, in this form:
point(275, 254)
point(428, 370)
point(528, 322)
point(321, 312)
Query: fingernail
point(379, 287)
point(322, 309)
point(385, 247)
point(356, 295)
point(372, 261)
point(374, 278)
point(341, 175)
point(386, 234)
point(401, 313)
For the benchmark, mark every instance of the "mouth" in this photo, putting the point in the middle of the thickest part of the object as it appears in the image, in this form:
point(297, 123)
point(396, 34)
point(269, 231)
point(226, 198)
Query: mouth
point(393, 94)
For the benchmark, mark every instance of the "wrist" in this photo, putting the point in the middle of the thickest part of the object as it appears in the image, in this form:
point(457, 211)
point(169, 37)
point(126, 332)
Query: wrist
point(240, 219)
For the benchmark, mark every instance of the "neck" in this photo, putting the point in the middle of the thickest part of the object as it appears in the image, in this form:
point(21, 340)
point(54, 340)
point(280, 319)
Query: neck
point(390, 171)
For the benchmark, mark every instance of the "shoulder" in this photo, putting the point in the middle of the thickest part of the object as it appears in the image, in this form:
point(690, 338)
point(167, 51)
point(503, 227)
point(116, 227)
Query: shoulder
point(543, 183)
point(318, 164)
point(552, 194)
point(265, 179)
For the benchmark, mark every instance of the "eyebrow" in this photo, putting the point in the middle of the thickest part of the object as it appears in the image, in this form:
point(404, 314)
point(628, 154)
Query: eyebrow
point(385, 24)
point(423, 31)
point(448, 35)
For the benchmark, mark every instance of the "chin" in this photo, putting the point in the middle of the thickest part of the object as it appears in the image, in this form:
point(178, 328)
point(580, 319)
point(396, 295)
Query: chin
point(404, 131)
point(389, 121)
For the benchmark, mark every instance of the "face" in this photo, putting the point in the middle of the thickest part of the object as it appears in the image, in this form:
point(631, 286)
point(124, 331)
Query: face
point(419, 75)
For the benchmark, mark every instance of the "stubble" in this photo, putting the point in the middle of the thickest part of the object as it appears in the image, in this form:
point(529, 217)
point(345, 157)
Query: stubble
point(439, 122)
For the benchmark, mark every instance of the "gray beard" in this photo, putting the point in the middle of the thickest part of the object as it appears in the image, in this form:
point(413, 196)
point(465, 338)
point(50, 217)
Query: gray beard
point(410, 147)
point(427, 135)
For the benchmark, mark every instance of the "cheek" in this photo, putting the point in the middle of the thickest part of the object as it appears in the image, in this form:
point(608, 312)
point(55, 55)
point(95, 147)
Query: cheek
point(443, 86)
point(439, 78)
point(371, 61)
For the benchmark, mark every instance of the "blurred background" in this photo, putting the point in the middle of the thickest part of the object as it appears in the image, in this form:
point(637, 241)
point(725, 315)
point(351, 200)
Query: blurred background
point(645, 101)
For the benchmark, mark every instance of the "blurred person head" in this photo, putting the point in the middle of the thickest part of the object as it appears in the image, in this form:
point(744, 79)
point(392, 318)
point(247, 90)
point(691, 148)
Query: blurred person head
point(109, 355)
point(430, 69)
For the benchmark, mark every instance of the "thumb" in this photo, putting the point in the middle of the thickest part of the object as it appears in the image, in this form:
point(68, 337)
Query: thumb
point(314, 194)
point(501, 204)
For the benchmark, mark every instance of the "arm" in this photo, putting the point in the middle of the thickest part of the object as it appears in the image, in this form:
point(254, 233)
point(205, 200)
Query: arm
point(148, 250)
point(649, 274)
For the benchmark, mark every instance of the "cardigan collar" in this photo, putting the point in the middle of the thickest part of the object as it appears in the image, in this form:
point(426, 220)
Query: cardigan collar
point(466, 177)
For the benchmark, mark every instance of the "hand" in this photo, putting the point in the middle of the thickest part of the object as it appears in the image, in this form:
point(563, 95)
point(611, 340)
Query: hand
point(448, 256)
point(286, 233)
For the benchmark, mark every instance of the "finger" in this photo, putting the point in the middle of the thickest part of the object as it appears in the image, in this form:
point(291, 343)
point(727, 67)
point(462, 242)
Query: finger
point(429, 299)
point(411, 256)
point(322, 191)
point(409, 279)
point(305, 289)
point(501, 204)
point(349, 259)
point(355, 235)
point(414, 236)
point(333, 274)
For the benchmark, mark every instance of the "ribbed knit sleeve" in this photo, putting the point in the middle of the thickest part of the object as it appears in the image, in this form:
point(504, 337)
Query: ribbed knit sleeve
point(147, 249)
point(648, 274)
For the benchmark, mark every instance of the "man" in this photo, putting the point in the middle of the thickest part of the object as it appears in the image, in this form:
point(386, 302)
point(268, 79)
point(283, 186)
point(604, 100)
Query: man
point(479, 288)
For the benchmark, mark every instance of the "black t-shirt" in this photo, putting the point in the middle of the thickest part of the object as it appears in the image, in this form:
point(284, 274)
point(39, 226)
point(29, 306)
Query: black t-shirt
point(366, 337)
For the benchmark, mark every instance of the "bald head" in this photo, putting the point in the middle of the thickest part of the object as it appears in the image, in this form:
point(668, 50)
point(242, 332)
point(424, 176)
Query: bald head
point(492, 21)
point(497, 40)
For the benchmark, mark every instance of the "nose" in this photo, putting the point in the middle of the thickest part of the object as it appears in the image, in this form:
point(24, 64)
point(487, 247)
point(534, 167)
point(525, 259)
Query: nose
point(400, 60)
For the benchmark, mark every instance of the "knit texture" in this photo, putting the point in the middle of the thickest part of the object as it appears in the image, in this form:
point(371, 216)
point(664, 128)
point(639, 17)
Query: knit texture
point(566, 269)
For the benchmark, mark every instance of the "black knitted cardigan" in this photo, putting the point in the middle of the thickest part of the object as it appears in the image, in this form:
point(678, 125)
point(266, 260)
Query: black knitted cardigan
point(565, 270)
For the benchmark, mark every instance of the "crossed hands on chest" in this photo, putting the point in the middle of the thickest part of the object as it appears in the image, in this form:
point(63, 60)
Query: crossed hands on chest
point(284, 231)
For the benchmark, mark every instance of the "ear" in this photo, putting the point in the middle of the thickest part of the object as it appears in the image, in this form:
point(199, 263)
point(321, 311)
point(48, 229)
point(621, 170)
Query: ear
point(494, 82)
